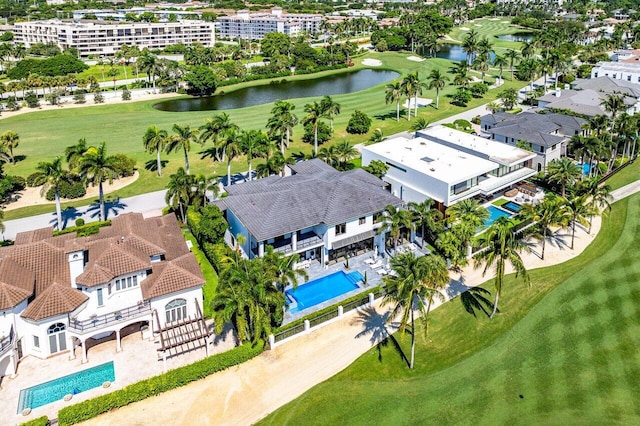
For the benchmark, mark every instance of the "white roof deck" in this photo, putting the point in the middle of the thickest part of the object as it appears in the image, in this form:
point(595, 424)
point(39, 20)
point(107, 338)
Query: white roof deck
point(432, 158)
point(499, 152)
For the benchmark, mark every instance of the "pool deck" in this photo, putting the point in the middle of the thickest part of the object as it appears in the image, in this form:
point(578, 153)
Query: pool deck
point(356, 263)
point(138, 360)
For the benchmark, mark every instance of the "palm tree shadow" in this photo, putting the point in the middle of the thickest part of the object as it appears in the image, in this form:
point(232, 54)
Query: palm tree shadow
point(387, 116)
point(68, 214)
point(111, 207)
point(474, 300)
point(152, 165)
point(376, 325)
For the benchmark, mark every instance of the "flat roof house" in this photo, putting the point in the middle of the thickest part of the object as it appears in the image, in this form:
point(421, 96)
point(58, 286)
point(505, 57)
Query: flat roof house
point(317, 212)
point(448, 165)
point(546, 134)
point(58, 292)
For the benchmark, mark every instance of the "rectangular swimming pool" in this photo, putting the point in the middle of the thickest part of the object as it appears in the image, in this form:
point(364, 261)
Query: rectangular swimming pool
point(55, 390)
point(323, 289)
point(511, 206)
point(494, 214)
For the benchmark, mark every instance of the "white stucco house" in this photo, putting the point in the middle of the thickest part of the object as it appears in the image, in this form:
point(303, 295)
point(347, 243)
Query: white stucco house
point(448, 165)
point(58, 292)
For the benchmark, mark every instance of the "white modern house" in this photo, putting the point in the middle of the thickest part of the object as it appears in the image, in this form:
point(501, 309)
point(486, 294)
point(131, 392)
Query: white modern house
point(56, 293)
point(317, 212)
point(254, 26)
point(448, 165)
point(620, 70)
point(104, 38)
point(545, 134)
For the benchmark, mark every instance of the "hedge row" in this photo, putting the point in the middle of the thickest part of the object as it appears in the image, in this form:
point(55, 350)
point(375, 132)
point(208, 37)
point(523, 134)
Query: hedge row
point(40, 421)
point(84, 230)
point(323, 311)
point(159, 384)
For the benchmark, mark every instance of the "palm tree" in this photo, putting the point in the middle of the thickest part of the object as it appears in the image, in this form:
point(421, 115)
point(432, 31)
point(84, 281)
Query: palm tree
point(214, 130)
point(394, 219)
point(74, 153)
point(437, 81)
point(409, 86)
point(613, 104)
point(416, 280)
point(419, 123)
point(503, 246)
point(10, 140)
point(232, 148)
point(481, 64)
point(251, 144)
point(314, 113)
point(579, 209)
point(344, 152)
point(179, 191)
point(329, 109)
point(599, 195)
point(563, 171)
point(425, 216)
point(284, 267)
point(181, 140)
point(155, 140)
point(470, 45)
point(282, 121)
point(469, 211)
point(550, 212)
point(393, 93)
point(51, 176)
point(500, 62)
point(96, 167)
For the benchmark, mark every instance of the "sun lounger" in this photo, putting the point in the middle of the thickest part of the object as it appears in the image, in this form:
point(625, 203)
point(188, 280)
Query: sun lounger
point(377, 264)
point(369, 261)
point(382, 271)
point(413, 247)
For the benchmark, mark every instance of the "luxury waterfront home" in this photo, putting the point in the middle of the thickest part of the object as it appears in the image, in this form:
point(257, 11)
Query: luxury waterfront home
point(318, 212)
point(56, 293)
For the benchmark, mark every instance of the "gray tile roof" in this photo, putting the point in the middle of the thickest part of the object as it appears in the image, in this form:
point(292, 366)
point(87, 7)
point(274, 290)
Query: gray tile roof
point(585, 102)
point(541, 129)
point(497, 117)
point(522, 133)
point(608, 85)
point(316, 194)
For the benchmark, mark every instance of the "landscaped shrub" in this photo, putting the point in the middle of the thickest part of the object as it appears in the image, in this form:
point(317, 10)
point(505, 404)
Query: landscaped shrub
point(216, 253)
point(84, 230)
point(207, 224)
point(159, 384)
point(31, 99)
point(125, 166)
point(479, 89)
point(40, 421)
point(68, 190)
point(79, 221)
point(359, 123)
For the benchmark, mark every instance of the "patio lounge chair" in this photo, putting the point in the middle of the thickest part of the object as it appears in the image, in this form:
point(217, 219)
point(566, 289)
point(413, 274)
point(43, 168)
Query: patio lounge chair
point(413, 247)
point(382, 271)
point(377, 264)
point(369, 261)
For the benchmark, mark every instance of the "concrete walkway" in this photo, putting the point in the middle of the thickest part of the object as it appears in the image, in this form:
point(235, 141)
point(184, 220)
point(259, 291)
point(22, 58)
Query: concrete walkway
point(247, 393)
point(626, 190)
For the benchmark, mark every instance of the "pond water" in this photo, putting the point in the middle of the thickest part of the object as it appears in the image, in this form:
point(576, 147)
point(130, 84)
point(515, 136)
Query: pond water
point(521, 37)
point(454, 52)
point(331, 85)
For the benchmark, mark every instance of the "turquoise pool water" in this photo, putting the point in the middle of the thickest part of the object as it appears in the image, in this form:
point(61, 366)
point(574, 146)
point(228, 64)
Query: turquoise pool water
point(55, 390)
point(494, 214)
point(586, 168)
point(323, 289)
point(511, 206)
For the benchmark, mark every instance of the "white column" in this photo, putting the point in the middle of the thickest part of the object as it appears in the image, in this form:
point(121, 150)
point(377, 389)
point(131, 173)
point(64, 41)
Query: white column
point(261, 249)
point(294, 241)
point(12, 365)
point(84, 351)
point(118, 342)
point(71, 344)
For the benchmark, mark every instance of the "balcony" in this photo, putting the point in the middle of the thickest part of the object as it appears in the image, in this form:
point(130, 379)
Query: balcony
point(101, 321)
point(7, 342)
point(305, 241)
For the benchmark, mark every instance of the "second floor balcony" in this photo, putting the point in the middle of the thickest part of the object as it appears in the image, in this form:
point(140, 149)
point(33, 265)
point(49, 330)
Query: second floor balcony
point(97, 322)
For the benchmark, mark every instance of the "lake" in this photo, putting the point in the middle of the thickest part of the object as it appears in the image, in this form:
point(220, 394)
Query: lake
point(454, 52)
point(336, 84)
point(520, 37)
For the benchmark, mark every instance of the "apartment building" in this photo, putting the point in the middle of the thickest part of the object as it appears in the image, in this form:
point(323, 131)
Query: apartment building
point(103, 38)
point(254, 26)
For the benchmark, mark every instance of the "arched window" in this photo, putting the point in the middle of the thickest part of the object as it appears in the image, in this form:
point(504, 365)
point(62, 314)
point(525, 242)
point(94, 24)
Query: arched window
point(539, 167)
point(57, 337)
point(176, 310)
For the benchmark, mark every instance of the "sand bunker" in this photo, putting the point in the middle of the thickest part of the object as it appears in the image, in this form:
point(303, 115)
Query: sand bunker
point(464, 29)
point(477, 25)
point(416, 59)
point(371, 62)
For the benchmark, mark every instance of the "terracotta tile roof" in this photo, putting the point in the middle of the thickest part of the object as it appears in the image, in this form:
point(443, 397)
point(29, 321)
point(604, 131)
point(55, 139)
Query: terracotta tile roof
point(170, 277)
point(57, 299)
point(17, 283)
point(109, 259)
point(11, 296)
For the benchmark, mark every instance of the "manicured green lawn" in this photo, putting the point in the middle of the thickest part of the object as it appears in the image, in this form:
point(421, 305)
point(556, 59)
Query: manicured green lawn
point(122, 126)
point(561, 351)
point(490, 28)
point(629, 174)
point(210, 276)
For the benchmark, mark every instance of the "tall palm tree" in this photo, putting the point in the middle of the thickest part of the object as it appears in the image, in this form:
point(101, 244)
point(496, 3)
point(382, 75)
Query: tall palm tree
point(411, 85)
point(285, 268)
point(154, 141)
point(214, 129)
point(74, 153)
point(329, 109)
point(470, 45)
point(563, 171)
point(503, 246)
point(394, 219)
point(179, 191)
point(314, 114)
point(546, 214)
point(416, 280)
point(469, 211)
point(9, 141)
point(437, 81)
point(96, 167)
point(393, 93)
point(251, 144)
point(282, 121)
point(500, 62)
point(52, 175)
point(613, 104)
point(181, 140)
point(579, 210)
point(599, 196)
point(233, 148)
point(425, 216)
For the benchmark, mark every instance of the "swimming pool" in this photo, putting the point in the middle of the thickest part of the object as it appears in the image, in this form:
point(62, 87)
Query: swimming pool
point(511, 206)
point(55, 390)
point(494, 214)
point(586, 168)
point(323, 289)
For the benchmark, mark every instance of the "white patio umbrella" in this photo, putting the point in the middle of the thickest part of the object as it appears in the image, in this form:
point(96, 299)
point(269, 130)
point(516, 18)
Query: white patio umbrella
point(375, 252)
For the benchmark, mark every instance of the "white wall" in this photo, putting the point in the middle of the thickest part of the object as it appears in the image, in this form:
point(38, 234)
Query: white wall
point(353, 228)
point(30, 328)
point(189, 295)
point(119, 299)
